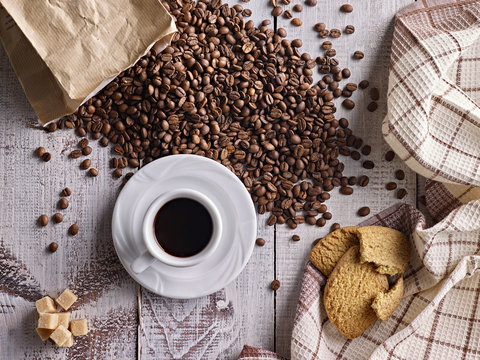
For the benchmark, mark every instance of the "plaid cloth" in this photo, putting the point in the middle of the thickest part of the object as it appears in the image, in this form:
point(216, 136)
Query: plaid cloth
point(433, 124)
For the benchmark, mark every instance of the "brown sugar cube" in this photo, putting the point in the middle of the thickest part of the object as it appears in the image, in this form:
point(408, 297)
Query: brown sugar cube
point(66, 299)
point(61, 335)
point(64, 319)
point(79, 327)
point(69, 342)
point(48, 321)
point(44, 333)
point(45, 305)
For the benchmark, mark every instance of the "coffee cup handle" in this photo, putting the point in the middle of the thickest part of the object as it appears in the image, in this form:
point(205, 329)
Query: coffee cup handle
point(142, 263)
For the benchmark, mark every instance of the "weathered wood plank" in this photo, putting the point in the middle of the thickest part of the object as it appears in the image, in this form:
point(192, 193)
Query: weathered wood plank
point(86, 263)
point(373, 22)
point(216, 326)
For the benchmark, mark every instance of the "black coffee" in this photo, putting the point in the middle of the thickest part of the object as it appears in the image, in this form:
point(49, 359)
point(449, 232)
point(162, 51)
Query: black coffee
point(183, 227)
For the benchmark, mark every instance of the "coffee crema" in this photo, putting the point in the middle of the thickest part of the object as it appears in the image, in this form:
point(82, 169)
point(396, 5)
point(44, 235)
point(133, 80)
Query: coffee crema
point(183, 227)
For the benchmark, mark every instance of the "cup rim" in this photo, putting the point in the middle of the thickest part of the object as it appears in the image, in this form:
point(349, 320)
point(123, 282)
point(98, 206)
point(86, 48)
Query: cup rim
point(155, 249)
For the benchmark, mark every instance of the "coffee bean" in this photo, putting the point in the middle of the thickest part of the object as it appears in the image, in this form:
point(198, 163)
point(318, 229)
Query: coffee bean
point(66, 192)
point(375, 94)
point(83, 143)
point(297, 7)
point(43, 220)
point(372, 106)
point(368, 164)
point(75, 154)
point(81, 132)
point(352, 180)
point(57, 217)
point(63, 203)
point(335, 33)
point(346, 73)
point(73, 229)
point(295, 238)
point(366, 150)
point(321, 222)
point(363, 181)
point(335, 226)
point(104, 141)
point(401, 193)
point(275, 285)
point(363, 84)
point(277, 11)
point(349, 29)
point(391, 186)
point(311, 2)
point(327, 215)
point(282, 32)
point(364, 211)
point(297, 43)
point(87, 150)
point(296, 22)
point(53, 247)
point(260, 242)
point(320, 27)
point(271, 220)
point(399, 174)
point(93, 172)
point(346, 190)
point(316, 241)
point(117, 173)
point(358, 55)
point(40, 151)
point(389, 155)
point(348, 104)
point(85, 164)
point(346, 8)
point(52, 127)
point(287, 14)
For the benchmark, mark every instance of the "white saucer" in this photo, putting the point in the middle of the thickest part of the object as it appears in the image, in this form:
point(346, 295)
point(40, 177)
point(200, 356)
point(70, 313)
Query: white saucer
point(223, 188)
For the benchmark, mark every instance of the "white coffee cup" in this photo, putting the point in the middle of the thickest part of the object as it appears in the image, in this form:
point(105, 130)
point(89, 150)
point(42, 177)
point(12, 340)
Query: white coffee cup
point(154, 250)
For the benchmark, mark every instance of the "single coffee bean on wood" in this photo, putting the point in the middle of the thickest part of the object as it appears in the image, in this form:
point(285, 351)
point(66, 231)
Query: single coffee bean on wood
point(335, 226)
point(327, 215)
point(296, 238)
point(73, 229)
point(364, 211)
point(260, 242)
point(375, 94)
point(85, 164)
point(117, 173)
point(311, 2)
point(83, 143)
point(296, 22)
point(57, 217)
point(40, 151)
point(346, 190)
point(321, 222)
point(358, 55)
point(372, 106)
point(320, 27)
point(401, 193)
point(66, 192)
point(389, 155)
point(53, 247)
point(63, 203)
point(287, 14)
point(366, 150)
point(52, 127)
point(399, 174)
point(363, 84)
point(363, 180)
point(349, 29)
point(93, 172)
point(346, 8)
point(277, 11)
point(87, 150)
point(348, 104)
point(368, 164)
point(391, 186)
point(43, 220)
point(75, 154)
point(275, 285)
point(297, 7)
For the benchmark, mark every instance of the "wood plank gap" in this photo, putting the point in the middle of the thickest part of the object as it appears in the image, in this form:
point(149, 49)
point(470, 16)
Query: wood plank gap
point(139, 321)
point(275, 294)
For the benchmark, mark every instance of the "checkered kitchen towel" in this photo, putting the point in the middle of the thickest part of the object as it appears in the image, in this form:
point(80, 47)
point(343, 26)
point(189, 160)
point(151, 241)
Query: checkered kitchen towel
point(433, 124)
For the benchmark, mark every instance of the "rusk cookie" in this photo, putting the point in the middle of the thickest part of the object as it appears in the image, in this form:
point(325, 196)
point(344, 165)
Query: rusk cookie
point(386, 302)
point(350, 290)
point(328, 251)
point(387, 248)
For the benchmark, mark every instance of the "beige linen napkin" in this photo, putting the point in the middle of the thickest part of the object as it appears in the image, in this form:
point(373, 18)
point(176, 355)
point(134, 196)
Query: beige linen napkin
point(433, 124)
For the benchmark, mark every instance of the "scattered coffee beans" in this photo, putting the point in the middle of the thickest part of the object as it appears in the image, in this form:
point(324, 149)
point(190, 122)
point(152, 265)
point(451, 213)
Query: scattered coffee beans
point(52, 127)
point(57, 217)
point(93, 172)
point(43, 220)
point(53, 247)
point(364, 211)
point(368, 164)
point(275, 285)
point(311, 2)
point(346, 190)
point(375, 94)
point(391, 186)
point(297, 7)
point(260, 241)
point(372, 106)
point(349, 29)
point(335, 226)
point(277, 11)
point(287, 14)
point(63, 203)
point(46, 157)
point(389, 155)
point(87, 150)
point(83, 143)
point(320, 27)
point(363, 84)
point(401, 193)
point(399, 174)
point(296, 238)
point(346, 8)
point(73, 229)
point(348, 104)
point(296, 22)
point(363, 180)
point(358, 55)
point(66, 192)
point(85, 164)
point(366, 150)
point(117, 173)
point(40, 151)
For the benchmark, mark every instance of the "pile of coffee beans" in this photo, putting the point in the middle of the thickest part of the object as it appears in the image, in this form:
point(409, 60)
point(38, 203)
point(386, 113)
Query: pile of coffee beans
point(238, 94)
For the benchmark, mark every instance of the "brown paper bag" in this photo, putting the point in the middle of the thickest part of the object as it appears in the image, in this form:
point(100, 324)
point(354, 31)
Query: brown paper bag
point(63, 52)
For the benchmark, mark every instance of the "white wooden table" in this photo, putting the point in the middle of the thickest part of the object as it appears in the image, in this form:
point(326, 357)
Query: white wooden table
point(127, 321)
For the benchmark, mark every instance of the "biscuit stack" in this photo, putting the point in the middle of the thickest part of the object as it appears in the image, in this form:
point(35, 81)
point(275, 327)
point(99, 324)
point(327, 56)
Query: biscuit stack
point(358, 262)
